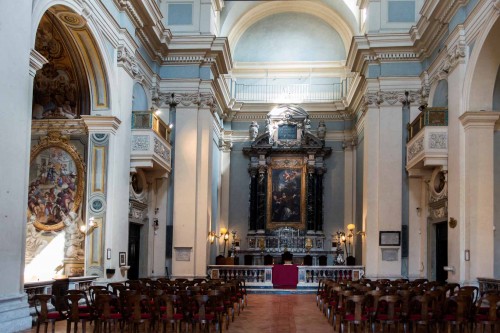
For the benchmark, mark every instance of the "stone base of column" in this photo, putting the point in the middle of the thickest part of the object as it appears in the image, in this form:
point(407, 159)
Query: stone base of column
point(14, 313)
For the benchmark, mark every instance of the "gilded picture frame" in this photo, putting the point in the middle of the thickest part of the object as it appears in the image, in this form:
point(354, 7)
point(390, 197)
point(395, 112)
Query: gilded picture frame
point(56, 182)
point(286, 201)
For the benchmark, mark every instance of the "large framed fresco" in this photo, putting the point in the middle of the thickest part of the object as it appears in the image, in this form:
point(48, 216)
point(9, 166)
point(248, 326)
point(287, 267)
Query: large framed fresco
point(286, 193)
point(56, 182)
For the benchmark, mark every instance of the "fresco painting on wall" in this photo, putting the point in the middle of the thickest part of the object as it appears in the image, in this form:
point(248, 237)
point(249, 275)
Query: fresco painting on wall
point(54, 197)
point(52, 188)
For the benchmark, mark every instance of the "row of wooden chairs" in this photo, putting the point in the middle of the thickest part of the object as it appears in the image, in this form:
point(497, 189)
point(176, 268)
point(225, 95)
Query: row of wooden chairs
point(152, 305)
point(385, 304)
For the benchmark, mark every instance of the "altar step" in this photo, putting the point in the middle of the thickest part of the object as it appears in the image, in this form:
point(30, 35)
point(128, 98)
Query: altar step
point(276, 291)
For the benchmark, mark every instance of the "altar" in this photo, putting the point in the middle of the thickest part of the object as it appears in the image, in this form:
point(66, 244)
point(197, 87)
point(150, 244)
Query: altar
point(286, 167)
point(285, 276)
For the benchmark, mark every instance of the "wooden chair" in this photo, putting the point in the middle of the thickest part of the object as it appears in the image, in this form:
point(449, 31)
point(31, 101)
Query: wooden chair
point(423, 309)
point(387, 312)
point(487, 312)
point(169, 314)
point(140, 313)
point(75, 314)
point(373, 298)
point(355, 313)
point(203, 318)
point(457, 312)
point(43, 315)
point(106, 312)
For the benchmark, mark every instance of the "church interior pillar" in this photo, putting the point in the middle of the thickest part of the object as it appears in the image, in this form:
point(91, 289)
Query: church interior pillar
point(192, 191)
point(479, 212)
point(15, 129)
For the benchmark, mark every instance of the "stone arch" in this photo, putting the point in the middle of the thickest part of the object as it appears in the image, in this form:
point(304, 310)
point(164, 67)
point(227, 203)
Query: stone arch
point(482, 72)
point(78, 36)
point(318, 10)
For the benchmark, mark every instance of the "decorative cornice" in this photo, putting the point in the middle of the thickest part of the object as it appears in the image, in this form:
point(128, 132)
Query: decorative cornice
point(64, 126)
point(127, 6)
point(479, 119)
point(188, 59)
point(36, 62)
point(127, 61)
point(101, 124)
point(393, 56)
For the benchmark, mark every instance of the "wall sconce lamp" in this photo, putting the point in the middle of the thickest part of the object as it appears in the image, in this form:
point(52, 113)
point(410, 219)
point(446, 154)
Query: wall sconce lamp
point(156, 224)
point(212, 235)
point(418, 211)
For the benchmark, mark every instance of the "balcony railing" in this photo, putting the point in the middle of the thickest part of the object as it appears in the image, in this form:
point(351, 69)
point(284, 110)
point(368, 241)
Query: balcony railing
point(427, 145)
point(428, 117)
point(150, 142)
point(149, 120)
point(282, 93)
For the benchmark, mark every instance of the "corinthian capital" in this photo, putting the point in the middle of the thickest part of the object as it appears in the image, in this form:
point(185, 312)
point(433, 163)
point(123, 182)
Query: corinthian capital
point(186, 99)
point(126, 59)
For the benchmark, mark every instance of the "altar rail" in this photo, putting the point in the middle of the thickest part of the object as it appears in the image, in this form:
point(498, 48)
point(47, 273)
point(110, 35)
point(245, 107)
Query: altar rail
point(45, 287)
point(259, 275)
point(488, 284)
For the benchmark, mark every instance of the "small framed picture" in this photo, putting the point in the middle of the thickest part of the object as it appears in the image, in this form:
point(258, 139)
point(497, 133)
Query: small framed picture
point(390, 238)
point(108, 254)
point(214, 274)
point(122, 259)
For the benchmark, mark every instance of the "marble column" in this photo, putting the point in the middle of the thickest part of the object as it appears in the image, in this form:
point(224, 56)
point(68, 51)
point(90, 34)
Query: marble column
point(18, 70)
point(479, 213)
point(261, 199)
point(253, 199)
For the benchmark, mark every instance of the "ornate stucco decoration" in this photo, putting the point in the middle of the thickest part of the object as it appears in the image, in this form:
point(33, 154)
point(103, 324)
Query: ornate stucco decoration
point(438, 194)
point(162, 150)
point(438, 140)
point(388, 98)
point(415, 148)
point(138, 187)
point(225, 144)
point(186, 99)
point(455, 56)
point(127, 60)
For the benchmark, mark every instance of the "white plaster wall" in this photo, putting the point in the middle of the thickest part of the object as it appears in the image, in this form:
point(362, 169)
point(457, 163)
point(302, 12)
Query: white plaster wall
point(287, 37)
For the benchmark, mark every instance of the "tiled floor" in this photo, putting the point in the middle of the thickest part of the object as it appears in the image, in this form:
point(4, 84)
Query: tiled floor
point(268, 314)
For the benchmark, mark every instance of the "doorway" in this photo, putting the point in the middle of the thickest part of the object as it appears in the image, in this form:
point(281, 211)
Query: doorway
point(134, 245)
point(441, 251)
